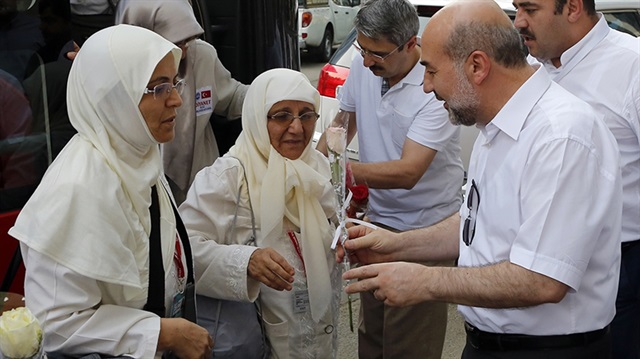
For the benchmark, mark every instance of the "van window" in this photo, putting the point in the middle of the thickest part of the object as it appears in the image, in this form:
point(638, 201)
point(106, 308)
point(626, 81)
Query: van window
point(313, 3)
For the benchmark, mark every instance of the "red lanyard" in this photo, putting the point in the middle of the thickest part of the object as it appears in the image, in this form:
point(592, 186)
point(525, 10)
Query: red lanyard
point(296, 245)
point(177, 258)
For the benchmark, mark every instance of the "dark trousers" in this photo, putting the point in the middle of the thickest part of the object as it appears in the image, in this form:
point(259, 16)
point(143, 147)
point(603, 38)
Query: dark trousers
point(625, 327)
point(598, 349)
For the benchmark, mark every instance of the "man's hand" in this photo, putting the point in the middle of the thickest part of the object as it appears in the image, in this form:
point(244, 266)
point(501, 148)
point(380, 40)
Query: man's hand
point(367, 245)
point(396, 284)
point(185, 339)
point(269, 267)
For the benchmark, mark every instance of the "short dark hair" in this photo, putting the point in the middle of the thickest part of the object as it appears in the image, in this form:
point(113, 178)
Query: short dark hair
point(589, 5)
point(501, 43)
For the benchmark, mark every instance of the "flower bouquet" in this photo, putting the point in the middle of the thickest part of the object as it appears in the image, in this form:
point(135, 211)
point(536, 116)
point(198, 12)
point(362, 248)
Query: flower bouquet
point(20, 335)
point(336, 136)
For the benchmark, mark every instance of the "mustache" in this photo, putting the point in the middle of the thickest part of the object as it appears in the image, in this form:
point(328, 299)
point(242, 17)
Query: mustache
point(527, 33)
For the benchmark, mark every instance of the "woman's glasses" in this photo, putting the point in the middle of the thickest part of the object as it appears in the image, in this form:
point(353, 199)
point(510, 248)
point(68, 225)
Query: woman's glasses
point(473, 201)
point(163, 90)
point(287, 118)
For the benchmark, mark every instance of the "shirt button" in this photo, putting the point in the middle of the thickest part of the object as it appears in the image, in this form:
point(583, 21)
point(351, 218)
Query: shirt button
point(328, 329)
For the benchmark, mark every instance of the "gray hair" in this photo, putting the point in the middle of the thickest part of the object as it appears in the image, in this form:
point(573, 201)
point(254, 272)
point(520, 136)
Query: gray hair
point(392, 20)
point(500, 43)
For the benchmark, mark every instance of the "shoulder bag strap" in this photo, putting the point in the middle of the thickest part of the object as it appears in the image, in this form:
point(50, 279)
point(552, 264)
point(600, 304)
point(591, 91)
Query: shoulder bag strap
point(251, 241)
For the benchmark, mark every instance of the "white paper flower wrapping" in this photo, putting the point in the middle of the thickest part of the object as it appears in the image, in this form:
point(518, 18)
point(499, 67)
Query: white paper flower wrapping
point(20, 333)
point(337, 139)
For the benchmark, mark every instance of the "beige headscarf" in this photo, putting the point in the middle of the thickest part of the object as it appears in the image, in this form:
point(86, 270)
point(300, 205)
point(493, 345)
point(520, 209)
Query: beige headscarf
point(299, 189)
point(91, 210)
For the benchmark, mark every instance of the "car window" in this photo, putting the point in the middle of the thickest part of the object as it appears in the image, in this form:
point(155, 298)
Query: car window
point(624, 21)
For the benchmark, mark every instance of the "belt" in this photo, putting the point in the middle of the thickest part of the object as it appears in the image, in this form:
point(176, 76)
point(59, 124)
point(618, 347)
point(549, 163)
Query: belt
point(481, 340)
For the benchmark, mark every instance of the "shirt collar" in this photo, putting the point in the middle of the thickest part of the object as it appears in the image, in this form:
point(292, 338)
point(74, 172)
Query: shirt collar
point(577, 52)
point(415, 77)
point(511, 118)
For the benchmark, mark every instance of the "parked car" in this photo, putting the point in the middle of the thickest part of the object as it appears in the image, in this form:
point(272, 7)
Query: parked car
point(324, 24)
point(620, 14)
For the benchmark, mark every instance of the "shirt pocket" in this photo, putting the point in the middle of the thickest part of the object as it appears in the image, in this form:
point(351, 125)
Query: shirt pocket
point(400, 124)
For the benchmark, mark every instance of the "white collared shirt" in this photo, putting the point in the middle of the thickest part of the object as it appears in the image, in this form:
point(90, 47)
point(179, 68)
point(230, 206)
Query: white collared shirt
point(603, 69)
point(384, 123)
point(547, 173)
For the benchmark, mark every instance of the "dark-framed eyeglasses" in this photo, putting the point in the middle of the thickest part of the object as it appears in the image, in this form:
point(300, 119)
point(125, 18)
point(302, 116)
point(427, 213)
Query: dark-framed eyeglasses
point(374, 56)
point(185, 42)
point(163, 90)
point(473, 201)
point(286, 118)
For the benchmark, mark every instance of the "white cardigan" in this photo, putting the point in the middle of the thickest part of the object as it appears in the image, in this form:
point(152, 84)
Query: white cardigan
point(208, 214)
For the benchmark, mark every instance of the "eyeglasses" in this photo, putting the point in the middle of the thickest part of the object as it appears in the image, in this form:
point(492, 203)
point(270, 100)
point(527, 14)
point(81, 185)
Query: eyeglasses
point(473, 201)
point(164, 89)
point(375, 57)
point(185, 42)
point(287, 118)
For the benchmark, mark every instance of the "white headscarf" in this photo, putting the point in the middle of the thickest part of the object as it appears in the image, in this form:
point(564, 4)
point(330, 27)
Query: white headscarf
point(91, 210)
point(174, 20)
point(299, 190)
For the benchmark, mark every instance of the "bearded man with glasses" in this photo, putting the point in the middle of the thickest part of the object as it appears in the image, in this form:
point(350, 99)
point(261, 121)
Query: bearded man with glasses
point(409, 158)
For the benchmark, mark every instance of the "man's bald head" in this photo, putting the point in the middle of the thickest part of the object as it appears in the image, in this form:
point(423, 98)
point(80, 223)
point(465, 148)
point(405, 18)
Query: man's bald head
point(465, 26)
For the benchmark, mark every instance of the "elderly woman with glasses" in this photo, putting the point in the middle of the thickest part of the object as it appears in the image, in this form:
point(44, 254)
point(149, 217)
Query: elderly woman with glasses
point(274, 172)
point(210, 87)
point(107, 266)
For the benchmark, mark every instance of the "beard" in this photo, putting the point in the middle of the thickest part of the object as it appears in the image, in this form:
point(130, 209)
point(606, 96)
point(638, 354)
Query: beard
point(463, 106)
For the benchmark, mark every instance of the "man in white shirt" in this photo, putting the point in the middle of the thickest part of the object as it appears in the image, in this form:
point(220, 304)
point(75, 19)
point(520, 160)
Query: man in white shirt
point(409, 158)
point(602, 67)
point(537, 237)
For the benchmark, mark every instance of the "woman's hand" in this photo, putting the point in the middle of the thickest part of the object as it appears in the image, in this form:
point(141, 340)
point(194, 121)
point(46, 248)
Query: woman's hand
point(269, 267)
point(185, 339)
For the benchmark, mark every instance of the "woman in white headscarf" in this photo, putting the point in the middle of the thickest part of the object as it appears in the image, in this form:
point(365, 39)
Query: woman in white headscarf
point(287, 184)
point(85, 233)
point(209, 87)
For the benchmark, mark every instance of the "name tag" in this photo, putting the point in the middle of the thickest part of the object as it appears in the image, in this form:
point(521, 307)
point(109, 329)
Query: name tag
point(300, 299)
point(176, 305)
point(204, 100)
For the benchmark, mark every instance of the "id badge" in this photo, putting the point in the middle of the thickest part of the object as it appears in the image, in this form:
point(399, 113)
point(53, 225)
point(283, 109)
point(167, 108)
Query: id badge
point(300, 299)
point(176, 305)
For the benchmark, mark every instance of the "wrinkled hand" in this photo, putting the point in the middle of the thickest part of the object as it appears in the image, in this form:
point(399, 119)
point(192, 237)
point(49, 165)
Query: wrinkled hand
point(367, 245)
point(397, 284)
point(269, 267)
point(185, 339)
